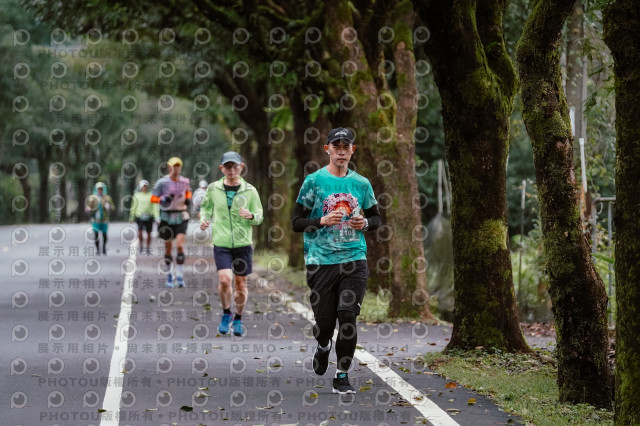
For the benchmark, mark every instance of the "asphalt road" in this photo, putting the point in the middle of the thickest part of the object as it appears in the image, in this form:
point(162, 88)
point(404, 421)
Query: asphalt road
point(98, 340)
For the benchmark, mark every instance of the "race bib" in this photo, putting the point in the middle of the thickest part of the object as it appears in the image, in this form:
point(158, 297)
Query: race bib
point(173, 218)
point(343, 233)
point(145, 216)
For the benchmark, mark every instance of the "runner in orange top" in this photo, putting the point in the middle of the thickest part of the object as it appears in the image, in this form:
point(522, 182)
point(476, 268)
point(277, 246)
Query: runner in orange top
point(173, 193)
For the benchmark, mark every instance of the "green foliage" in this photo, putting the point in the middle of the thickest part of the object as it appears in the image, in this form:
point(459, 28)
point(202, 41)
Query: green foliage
point(82, 123)
point(375, 307)
point(529, 275)
point(531, 281)
point(9, 189)
point(429, 138)
point(604, 259)
point(599, 107)
point(515, 16)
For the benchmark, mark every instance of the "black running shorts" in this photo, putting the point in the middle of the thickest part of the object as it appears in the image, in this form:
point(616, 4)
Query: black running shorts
point(338, 287)
point(238, 259)
point(169, 232)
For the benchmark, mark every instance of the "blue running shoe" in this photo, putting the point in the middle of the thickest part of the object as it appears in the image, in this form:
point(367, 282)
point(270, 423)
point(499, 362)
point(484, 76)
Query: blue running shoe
point(223, 328)
point(169, 283)
point(238, 329)
point(180, 281)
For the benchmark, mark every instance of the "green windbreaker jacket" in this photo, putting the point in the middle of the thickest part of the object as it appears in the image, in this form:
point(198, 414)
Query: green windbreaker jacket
point(228, 229)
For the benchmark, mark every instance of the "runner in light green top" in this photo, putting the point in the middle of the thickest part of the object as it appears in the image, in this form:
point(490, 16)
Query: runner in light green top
point(233, 207)
point(143, 211)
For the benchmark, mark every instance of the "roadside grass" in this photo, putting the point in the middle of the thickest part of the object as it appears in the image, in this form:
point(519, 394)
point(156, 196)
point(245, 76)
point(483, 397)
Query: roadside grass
point(522, 385)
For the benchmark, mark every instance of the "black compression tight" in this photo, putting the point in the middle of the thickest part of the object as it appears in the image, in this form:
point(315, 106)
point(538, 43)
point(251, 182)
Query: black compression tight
point(104, 241)
point(347, 336)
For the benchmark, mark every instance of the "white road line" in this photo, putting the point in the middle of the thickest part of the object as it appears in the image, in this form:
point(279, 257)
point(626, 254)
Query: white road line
point(113, 394)
point(430, 410)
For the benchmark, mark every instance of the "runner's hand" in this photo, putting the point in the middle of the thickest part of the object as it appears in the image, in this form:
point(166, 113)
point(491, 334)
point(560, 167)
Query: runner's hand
point(165, 201)
point(357, 222)
point(246, 214)
point(333, 218)
point(204, 225)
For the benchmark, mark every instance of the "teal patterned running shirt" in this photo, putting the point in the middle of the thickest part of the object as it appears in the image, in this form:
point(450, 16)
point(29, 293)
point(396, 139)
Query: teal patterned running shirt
point(322, 193)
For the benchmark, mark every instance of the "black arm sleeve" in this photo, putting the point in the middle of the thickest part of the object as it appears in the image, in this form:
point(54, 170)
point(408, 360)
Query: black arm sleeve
point(373, 216)
point(301, 222)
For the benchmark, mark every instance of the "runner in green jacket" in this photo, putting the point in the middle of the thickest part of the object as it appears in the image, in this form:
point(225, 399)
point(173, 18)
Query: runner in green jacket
point(233, 205)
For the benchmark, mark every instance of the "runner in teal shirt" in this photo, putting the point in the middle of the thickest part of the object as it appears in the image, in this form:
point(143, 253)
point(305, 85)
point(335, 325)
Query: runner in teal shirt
point(334, 208)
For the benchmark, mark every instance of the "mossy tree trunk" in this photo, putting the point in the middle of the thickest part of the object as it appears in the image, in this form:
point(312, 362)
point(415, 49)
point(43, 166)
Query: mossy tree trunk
point(43, 191)
point(26, 191)
point(577, 292)
point(381, 109)
point(477, 83)
point(621, 23)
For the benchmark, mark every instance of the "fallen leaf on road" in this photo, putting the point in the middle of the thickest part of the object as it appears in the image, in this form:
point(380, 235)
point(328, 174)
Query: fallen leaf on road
point(450, 385)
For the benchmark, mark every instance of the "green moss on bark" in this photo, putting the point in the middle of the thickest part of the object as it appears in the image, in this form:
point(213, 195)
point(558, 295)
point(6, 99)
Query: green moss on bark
point(577, 293)
point(621, 21)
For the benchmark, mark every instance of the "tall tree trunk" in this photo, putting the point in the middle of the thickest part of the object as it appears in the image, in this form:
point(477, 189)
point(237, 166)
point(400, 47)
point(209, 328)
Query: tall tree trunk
point(62, 189)
point(386, 153)
point(477, 83)
point(309, 157)
point(277, 202)
point(83, 192)
point(577, 292)
point(43, 191)
point(261, 178)
point(621, 23)
point(26, 191)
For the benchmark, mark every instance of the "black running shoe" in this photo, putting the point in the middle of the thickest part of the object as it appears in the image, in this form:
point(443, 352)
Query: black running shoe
point(321, 360)
point(341, 384)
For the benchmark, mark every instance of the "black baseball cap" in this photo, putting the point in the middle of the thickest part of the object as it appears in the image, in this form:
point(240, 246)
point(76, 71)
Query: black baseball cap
point(340, 134)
